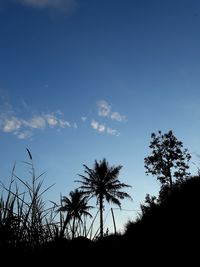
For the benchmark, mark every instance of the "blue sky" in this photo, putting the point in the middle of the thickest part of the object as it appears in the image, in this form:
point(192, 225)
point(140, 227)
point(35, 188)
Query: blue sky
point(83, 80)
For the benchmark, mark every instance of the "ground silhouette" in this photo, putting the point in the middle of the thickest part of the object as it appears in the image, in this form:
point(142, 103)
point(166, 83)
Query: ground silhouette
point(166, 233)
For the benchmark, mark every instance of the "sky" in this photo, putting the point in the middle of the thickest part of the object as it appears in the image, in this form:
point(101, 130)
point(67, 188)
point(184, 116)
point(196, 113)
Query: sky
point(83, 80)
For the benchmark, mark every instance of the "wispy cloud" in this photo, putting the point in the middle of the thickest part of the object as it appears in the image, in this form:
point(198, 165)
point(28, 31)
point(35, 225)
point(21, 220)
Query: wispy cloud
point(105, 110)
point(24, 135)
point(11, 124)
point(117, 116)
point(37, 122)
point(102, 128)
point(94, 124)
point(112, 131)
point(24, 128)
point(63, 5)
point(97, 126)
point(51, 120)
point(64, 124)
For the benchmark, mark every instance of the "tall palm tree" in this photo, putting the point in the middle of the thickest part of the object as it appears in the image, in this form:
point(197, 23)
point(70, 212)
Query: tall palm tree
point(102, 182)
point(76, 206)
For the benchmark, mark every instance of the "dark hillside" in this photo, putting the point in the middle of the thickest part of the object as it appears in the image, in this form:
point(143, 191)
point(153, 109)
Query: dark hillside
point(170, 228)
point(166, 233)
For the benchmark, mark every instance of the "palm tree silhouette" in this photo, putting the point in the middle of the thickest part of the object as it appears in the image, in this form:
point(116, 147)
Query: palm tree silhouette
point(102, 182)
point(76, 206)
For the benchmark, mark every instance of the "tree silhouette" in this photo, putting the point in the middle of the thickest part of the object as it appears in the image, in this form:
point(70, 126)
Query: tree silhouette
point(102, 182)
point(168, 159)
point(76, 206)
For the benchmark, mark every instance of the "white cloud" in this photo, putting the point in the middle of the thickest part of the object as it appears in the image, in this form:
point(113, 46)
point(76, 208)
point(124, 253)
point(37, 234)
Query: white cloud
point(101, 128)
point(24, 135)
point(94, 124)
point(64, 124)
point(103, 108)
point(24, 128)
point(97, 126)
point(37, 122)
point(112, 131)
point(63, 5)
point(11, 125)
point(117, 116)
point(51, 120)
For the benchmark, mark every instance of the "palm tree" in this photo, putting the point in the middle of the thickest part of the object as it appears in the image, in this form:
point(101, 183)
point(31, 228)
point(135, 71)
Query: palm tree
point(102, 182)
point(76, 206)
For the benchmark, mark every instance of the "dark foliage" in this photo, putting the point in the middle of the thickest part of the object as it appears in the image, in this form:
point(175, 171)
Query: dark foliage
point(169, 227)
point(102, 182)
point(168, 160)
point(166, 233)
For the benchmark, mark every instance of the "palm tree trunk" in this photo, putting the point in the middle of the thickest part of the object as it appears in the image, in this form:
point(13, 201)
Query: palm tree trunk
point(101, 215)
point(64, 226)
point(84, 227)
point(73, 228)
point(113, 217)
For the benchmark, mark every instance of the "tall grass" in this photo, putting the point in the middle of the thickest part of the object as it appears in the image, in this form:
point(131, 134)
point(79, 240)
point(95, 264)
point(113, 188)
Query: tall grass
point(24, 220)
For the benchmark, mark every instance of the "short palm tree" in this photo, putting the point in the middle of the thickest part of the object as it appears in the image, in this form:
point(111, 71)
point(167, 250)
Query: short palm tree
point(76, 206)
point(102, 182)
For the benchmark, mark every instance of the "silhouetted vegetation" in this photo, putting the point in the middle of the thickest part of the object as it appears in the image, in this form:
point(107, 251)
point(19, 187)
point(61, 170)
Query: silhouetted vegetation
point(76, 207)
point(102, 182)
point(170, 225)
point(25, 222)
point(166, 230)
point(168, 160)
